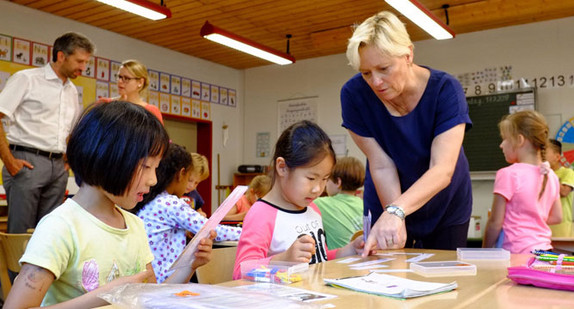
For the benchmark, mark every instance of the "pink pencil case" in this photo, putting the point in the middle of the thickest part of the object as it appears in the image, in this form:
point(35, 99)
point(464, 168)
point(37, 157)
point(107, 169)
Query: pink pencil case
point(550, 277)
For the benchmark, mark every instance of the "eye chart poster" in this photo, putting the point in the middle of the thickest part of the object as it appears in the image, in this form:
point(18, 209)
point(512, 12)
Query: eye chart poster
point(294, 110)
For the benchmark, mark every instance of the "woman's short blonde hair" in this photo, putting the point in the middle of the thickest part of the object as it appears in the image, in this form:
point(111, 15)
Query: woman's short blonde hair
point(138, 70)
point(383, 30)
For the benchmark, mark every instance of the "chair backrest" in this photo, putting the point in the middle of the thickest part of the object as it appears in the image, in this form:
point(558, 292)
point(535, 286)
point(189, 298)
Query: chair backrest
point(12, 247)
point(220, 268)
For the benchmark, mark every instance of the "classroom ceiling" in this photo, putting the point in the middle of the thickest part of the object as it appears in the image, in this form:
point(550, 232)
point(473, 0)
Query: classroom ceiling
point(318, 27)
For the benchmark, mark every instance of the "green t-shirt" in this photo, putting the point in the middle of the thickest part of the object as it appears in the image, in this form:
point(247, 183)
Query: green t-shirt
point(342, 216)
point(83, 252)
point(564, 229)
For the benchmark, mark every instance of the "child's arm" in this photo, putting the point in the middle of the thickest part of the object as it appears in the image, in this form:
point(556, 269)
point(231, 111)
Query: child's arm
point(202, 257)
point(494, 223)
point(353, 248)
point(33, 282)
point(301, 250)
point(555, 216)
point(233, 215)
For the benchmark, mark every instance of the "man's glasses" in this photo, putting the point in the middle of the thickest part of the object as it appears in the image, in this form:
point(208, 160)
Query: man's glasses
point(124, 78)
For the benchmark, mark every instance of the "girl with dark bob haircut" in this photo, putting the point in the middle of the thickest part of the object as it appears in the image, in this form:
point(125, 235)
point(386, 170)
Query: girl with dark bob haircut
point(91, 243)
point(110, 140)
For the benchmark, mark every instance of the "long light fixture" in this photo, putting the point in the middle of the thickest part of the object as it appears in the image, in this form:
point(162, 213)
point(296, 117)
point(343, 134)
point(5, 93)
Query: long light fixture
point(235, 41)
point(423, 18)
point(143, 8)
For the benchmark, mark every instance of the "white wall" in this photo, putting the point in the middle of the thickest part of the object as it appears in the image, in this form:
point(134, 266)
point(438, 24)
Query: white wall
point(533, 50)
point(19, 21)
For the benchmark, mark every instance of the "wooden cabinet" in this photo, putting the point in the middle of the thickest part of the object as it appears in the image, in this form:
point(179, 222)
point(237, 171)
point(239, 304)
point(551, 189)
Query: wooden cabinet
point(244, 178)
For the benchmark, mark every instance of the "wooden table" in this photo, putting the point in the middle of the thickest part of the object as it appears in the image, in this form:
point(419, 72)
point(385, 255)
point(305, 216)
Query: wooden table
point(488, 289)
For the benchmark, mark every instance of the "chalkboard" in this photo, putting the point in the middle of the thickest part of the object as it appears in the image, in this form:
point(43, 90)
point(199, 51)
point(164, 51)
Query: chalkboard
point(481, 143)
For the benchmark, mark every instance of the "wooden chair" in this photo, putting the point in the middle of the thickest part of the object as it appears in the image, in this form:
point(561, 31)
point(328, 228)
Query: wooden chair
point(220, 268)
point(12, 247)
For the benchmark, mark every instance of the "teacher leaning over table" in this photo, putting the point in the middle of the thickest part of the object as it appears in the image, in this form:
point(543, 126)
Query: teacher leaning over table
point(409, 121)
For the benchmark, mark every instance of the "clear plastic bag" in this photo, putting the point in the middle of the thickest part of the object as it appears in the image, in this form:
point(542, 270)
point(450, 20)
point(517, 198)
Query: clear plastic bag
point(158, 296)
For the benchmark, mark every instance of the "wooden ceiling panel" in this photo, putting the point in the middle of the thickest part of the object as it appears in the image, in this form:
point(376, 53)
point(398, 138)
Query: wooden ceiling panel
point(319, 27)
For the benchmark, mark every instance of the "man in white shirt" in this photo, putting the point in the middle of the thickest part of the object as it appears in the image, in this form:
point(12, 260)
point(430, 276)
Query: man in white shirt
point(41, 105)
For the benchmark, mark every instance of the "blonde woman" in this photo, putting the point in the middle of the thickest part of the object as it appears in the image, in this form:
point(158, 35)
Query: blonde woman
point(133, 81)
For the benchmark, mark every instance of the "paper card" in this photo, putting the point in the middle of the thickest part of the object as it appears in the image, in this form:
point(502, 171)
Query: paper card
point(5, 47)
point(114, 70)
point(102, 90)
point(205, 92)
point(195, 89)
point(102, 69)
point(153, 80)
point(39, 54)
point(164, 79)
point(90, 70)
point(186, 106)
point(21, 51)
point(232, 100)
point(188, 255)
point(186, 87)
point(175, 85)
point(153, 98)
point(205, 110)
point(223, 96)
point(214, 94)
point(164, 103)
point(114, 92)
point(176, 105)
point(195, 109)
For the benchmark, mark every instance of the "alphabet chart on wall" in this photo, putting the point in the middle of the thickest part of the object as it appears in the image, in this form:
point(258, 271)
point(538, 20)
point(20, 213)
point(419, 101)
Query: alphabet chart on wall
point(294, 110)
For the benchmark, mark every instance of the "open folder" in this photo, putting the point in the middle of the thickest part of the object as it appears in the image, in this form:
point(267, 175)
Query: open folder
point(188, 255)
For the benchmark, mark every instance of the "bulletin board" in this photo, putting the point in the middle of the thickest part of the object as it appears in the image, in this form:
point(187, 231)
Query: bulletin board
point(172, 94)
point(481, 143)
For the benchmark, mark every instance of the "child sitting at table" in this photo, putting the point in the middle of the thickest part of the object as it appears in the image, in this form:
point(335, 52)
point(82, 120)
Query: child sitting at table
point(526, 193)
point(167, 218)
point(286, 225)
point(89, 245)
point(258, 187)
point(342, 211)
point(200, 173)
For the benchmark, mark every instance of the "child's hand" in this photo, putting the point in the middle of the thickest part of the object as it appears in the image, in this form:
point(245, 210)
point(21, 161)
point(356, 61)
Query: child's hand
point(203, 254)
point(302, 250)
point(356, 247)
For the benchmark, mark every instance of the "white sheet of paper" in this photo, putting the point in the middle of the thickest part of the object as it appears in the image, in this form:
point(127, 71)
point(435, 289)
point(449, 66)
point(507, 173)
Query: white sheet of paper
point(188, 255)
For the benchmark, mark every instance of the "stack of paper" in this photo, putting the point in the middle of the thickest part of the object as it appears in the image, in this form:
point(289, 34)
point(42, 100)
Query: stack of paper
point(392, 286)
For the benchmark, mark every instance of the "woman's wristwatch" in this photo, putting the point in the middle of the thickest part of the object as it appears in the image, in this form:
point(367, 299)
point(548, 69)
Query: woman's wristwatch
point(395, 210)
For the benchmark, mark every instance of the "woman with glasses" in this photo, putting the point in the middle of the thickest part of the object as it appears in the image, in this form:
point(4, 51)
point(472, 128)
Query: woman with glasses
point(133, 81)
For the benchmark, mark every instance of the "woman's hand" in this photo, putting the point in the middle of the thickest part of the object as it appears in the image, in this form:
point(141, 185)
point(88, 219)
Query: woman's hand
point(302, 250)
point(204, 248)
point(389, 232)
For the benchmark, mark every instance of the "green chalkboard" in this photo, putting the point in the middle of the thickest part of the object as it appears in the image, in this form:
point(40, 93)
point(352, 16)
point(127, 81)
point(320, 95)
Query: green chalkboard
point(481, 143)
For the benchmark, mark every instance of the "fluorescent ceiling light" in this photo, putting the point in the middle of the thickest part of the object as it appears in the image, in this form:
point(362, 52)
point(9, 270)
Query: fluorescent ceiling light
point(143, 8)
point(235, 41)
point(423, 18)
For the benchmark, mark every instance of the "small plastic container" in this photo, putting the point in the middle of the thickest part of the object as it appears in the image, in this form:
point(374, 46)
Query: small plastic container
point(273, 272)
point(443, 268)
point(482, 254)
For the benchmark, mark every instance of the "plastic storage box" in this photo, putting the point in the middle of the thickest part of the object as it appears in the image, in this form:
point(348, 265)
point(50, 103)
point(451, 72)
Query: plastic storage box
point(443, 268)
point(482, 254)
point(273, 272)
